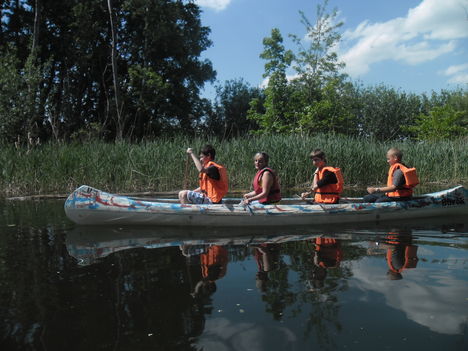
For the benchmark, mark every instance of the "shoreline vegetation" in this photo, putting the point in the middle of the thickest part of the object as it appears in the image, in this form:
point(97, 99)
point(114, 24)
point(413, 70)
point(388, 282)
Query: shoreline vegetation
point(160, 166)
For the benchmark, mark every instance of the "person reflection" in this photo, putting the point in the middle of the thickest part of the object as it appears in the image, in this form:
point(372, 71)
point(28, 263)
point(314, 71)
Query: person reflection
point(267, 258)
point(401, 253)
point(206, 264)
point(327, 253)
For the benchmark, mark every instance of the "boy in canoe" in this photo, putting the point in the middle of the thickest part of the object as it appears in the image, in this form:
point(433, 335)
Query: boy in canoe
point(327, 183)
point(212, 178)
point(400, 181)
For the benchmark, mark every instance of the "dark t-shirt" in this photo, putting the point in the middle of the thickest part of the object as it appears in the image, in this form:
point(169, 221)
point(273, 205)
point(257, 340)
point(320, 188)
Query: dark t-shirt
point(328, 178)
point(398, 179)
point(213, 172)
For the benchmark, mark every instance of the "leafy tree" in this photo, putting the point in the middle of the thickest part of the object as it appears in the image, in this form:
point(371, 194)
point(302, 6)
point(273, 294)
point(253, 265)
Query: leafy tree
point(278, 115)
point(441, 123)
point(232, 103)
point(153, 46)
point(382, 111)
point(317, 63)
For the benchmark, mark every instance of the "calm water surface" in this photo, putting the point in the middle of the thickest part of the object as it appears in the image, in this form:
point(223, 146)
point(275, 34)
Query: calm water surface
point(399, 286)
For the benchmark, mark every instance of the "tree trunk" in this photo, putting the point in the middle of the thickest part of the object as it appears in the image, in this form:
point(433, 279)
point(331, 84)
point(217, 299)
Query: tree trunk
point(119, 122)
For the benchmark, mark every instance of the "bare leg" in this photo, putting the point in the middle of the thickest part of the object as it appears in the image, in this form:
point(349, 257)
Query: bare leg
point(183, 196)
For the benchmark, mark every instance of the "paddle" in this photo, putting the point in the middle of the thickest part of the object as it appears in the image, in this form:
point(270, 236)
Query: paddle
point(185, 185)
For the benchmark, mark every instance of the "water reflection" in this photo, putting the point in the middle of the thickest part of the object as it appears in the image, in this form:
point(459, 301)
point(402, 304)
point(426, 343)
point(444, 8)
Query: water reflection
point(67, 287)
point(399, 251)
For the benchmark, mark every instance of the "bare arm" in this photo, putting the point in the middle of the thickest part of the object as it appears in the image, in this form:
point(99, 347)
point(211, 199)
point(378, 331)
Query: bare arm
point(267, 182)
point(384, 189)
point(313, 187)
point(195, 159)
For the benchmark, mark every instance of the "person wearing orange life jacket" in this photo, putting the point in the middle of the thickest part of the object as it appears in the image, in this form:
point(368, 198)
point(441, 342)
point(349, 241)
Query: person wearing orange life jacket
point(327, 183)
point(211, 262)
point(327, 253)
point(213, 179)
point(400, 181)
point(265, 184)
point(401, 253)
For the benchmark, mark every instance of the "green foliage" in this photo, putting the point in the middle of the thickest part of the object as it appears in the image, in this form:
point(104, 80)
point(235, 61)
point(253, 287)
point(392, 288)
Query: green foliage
point(232, 102)
point(441, 123)
point(67, 84)
point(20, 92)
point(318, 63)
point(277, 116)
point(382, 111)
point(317, 99)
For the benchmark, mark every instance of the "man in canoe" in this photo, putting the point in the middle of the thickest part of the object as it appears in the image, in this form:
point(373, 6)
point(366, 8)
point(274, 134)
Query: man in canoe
point(265, 183)
point(327, 183)
point(400, 181)
point(212, 177)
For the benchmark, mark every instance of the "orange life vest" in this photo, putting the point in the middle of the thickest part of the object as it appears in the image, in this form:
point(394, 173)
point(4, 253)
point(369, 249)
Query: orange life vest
point(329, 194)
point(275, 193)
point(329, 251)
point(411, 180)
point(216, 255)
point(214, 189)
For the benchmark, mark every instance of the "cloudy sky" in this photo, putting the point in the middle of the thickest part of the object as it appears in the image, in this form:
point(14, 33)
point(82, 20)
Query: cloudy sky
point(414, 45)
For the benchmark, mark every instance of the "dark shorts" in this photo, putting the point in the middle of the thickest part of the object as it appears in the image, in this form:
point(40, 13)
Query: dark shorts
point(383, 198)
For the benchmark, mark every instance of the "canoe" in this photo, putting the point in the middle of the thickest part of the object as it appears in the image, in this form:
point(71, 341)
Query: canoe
point(90, 206)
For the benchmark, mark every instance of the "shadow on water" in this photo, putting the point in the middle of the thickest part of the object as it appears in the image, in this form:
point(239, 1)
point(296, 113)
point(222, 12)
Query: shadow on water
point(326, 288)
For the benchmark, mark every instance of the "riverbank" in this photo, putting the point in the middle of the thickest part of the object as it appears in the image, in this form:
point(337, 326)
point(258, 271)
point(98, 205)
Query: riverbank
point(162, 165)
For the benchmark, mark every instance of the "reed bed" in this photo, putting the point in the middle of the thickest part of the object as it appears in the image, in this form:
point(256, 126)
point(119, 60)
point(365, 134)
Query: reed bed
point(160, 165)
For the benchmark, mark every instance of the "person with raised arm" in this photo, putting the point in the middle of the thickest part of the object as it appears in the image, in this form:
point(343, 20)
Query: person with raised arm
point(213, 179)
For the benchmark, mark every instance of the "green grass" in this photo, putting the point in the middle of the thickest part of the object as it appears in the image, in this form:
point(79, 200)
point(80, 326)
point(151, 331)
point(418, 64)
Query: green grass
point(159, 165)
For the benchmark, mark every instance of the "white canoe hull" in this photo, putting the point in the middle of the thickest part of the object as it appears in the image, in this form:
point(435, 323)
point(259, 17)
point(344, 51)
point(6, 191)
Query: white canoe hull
point(89, 206)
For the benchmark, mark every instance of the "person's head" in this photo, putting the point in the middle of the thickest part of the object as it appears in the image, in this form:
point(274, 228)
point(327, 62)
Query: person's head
point(394, 155)
point(318, 158)
point(392, 275)
point(207, 153)
point(204, 288)
point(261, 160)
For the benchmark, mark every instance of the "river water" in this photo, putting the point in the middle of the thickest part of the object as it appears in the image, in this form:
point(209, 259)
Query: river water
point(397, 286)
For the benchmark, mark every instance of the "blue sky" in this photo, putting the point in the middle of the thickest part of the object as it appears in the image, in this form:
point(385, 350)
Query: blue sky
point(414, 45)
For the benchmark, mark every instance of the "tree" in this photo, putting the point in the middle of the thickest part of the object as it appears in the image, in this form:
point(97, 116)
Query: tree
point(277, 116)
point(440, 123)
point(317, 63)
point(156, 61)
point(383, 111)
point(232, 102)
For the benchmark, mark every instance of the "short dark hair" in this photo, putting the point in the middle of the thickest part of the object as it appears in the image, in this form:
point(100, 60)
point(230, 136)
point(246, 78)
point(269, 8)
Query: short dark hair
point(319, 154)
point(396, 152)
point(208, 150)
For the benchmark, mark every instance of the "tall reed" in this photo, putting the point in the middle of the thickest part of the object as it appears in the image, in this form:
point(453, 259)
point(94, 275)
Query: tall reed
point(159, 165)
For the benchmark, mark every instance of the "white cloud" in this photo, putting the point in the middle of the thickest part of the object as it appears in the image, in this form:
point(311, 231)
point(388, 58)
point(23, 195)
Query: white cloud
point(224, 335)
point(217, 5)
point(428, 31)
point(458, 74)
point(424, 302)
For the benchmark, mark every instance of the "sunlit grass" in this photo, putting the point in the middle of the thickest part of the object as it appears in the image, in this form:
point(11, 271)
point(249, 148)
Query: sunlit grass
point(160, 165)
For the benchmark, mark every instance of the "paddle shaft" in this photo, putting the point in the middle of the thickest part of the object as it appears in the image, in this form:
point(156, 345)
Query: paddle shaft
point(185, 185)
